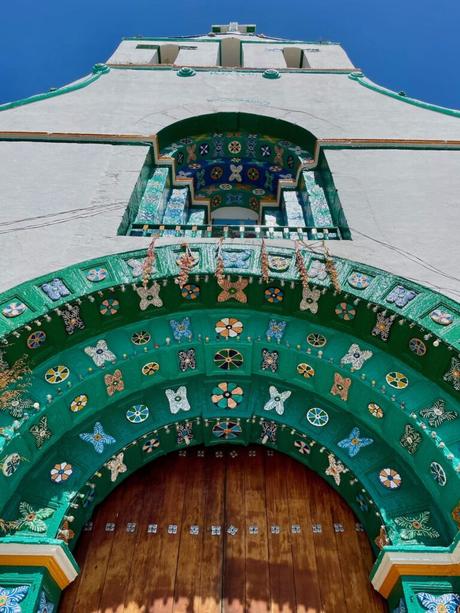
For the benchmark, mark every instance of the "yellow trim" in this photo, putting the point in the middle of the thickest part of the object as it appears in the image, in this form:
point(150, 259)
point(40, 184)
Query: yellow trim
point(47, 562)
point(416, 570)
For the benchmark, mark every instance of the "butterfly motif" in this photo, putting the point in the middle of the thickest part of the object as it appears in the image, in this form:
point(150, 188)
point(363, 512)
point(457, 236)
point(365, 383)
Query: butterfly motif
point(178, 399)
point(277, 400)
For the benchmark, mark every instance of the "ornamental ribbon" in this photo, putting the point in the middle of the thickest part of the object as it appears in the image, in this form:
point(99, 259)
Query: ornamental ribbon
point(300, 263)
point(149, 262)
point(331, 269)
point(186, 263)
point(264, 261)
point(220, 263)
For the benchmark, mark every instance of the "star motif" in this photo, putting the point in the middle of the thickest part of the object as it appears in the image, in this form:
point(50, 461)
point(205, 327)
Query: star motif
point(116, 466)
point(233, 290)
point(354, 443)
point(341, 386)
point(453, 374)
point(100, 353)
point(356, 357)
point(277, 400)
point(382, 327)
point(335, 468)
point(98, 438)
point(149, 296)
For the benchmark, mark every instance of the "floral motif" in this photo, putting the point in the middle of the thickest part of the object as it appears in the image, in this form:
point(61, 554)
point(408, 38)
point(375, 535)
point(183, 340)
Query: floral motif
point(443, 318)
point(268, 432)
point(137, 413)
point(437, 413)
point(79, 403)
point(275, 329)
point(36, 339)
point(233, 290)
point(55, 289)
point(109, 306)
point(33, 520)
point(150, 368)
point(274, 295)
point(227, 395)
point(302, 447)
point(72, 320)
point(375, 410)
point(317, 417)
point(149, 296)
point(345, 311)
point(438, 473)
point(410, 439)
point(341, 386)
point(236, 259)
point(40, 431)
point(96, 274)
point(140, 338)
point(253, 174)
point(114, 383)
point(44, 605)
point(234, 146)
point(390, 478)
point(316, 340)
point(178, 399)
point(226, 430)
point(356, 357)
point(397, 380)
point(417, 346)
point(137, 267)
point(98, 438)
point(61, 472)
point(181, 328)
point(116, 466)
point(400, 296)
point(278, 263)
point(359, 280)
point(184, 433)
point(335, 468)
point(317, 270)
point(57, 374)
point(228, 359)
point(190, 291)
point(64, 534)
point(443, 603)
point(216, 173)
point(229, 327)
point(310, 299)
point(453, 374)
point(10, 464)
point(100, 354)
point(14, 309)
point(382, 326)
point(415, 525)
point(150, 445)
point(354, 443)
point(269, 360)
point(305, 370)
point(10, 597)
point(277, 400)
point(187, 360)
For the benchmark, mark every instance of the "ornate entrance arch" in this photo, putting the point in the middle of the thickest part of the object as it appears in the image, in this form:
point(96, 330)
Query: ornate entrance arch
point(337, 377)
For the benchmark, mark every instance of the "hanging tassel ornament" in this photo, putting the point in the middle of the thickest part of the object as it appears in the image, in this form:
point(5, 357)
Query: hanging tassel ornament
point(301, 268)
point(149, 263)
point(220, 264)
point(264, 262)
point(186, 262)
point(331, 269)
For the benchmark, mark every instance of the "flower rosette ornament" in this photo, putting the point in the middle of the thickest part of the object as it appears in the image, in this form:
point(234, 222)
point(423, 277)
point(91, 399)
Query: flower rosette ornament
point(227, 395)
point(229, 327)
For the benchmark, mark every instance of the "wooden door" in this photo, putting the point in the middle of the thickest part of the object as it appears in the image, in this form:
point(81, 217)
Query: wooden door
point(231, 529)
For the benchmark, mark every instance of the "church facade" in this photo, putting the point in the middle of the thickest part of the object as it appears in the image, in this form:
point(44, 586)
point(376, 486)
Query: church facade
point(230, 240)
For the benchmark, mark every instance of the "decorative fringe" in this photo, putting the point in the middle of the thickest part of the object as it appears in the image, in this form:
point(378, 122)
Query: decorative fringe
point(331, 269)
point(10, 375)
point(186, 263)
point(301, 268)
point(220, 263)
point(264, 262)
point(149, 262)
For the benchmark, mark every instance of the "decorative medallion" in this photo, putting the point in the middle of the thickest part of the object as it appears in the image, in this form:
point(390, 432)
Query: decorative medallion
point(227, 395)
point(150, 368)
point(438, 473)
point(317, 417)
point(274, 295)
point(114, 383)
point(14, 309)
point(354, 443)
point(226, 430)
point(443, 318)
point(234, 146)
point(438, 414)
point(181, 328)
point(317, 270)
point(229, 327)
point(178, 399)
point(270, 360)
point(453, 374)
point(410, 439)
point(417, 346)
point(302, 447)
point(345, 311)
point(316, 340)
point(72, 320)
point(341, 386)
point(382, 327)
point(439, 603)
point(278, 263)
point(190, 291)
point(57, 374)
point(149, 296)
point(233, 290)
point(397, 380)
point(61, 472)
point(187, 360)
point(109, 306)
point(98, 438)
point(137, 413)
point(415, 525)
point(100, 354)
point(36, 339)
point(268, 432)
point(228, 359)
point(150, 445)
point(335, 468)
point(10, 597)
point(310, 299)
point(140, 338)
point(116, 466)
point(356, 357)
point(375, 410)
point(390, 478)
point(40, 431)
point(79, 403)
point(184, 433)
point(400, 296)
point(277, 400)
point(275, 329)
point(305, 370)
point(359, 280)
point(96, 274)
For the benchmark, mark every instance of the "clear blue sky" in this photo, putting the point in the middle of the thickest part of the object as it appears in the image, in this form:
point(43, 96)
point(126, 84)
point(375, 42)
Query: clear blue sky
point(410, 45)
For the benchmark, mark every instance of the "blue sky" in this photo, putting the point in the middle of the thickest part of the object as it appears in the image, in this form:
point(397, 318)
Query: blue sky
point(410, 45)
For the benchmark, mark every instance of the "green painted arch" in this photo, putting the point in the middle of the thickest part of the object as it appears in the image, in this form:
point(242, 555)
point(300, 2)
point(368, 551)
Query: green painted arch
point(116, 322)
